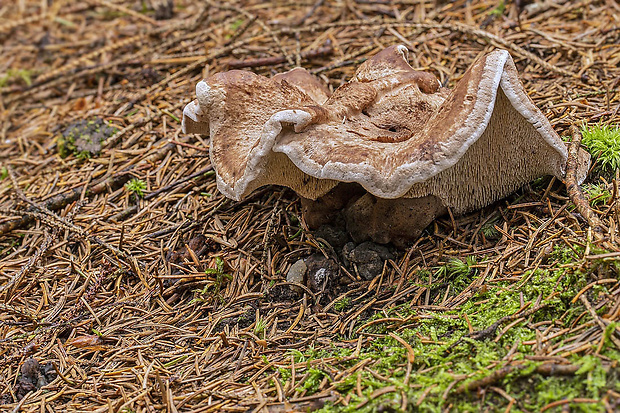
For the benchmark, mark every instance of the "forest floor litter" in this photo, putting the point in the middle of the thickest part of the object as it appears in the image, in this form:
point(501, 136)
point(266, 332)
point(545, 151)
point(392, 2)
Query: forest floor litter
point(128, 283)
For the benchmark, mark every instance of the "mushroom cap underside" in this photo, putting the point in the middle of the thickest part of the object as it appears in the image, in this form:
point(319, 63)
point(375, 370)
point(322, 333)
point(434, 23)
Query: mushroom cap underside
point(389, 129)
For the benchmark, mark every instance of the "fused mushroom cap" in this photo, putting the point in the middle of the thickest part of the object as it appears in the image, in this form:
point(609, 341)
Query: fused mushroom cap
point(391, 129)
point(304, 81)
point(236, 109)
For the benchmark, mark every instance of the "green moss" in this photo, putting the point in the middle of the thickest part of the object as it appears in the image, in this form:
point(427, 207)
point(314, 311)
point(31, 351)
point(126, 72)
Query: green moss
point(499, 9)
point(461, 272)
point(259, 328)
point(314, 379)
point(342, 304)
point(597, 193)
point(489, 231)
point(212, 289)
point(136, 187)
point(14, 75)
point(609, 330)
point(84, 138)
point(603, 143)
point(565, 255)
point(458, 273)
point(446, 355)
point(236, 24)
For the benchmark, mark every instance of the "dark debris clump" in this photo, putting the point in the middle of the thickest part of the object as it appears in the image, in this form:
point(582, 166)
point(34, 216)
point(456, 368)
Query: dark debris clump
point(84, 138)
point(33, 376)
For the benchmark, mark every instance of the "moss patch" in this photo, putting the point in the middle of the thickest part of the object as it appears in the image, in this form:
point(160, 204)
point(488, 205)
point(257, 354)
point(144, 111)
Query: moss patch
point(449, 358)
point(603, 143)
point(84, 138)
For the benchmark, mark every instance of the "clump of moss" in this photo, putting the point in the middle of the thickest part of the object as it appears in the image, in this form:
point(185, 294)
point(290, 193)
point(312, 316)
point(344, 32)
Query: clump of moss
point(603, 143)
point(499, 9)
point(342, 304)
point(447, 356)
point(136, 187)
point(489, 231)
point(597, 193)
point(13, 75)
point(212, 288)
point(461, 272)
point(84, 138)
point(458, 273)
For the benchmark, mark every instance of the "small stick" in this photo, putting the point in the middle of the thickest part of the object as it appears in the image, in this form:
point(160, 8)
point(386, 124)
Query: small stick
point(547, 369)
point(60, 201)
point(34, 259)
point(574, 190)
point(55, 221)
point(454, 27)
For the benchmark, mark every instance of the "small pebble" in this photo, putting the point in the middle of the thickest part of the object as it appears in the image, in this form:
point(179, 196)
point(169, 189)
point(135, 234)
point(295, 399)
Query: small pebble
point(296, 274)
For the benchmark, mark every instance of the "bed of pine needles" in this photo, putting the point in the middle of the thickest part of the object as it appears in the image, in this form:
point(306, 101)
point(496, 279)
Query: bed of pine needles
point(128, 283)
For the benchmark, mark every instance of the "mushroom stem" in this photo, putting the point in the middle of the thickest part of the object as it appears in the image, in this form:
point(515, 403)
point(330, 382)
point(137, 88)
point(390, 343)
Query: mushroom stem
point(575, 193)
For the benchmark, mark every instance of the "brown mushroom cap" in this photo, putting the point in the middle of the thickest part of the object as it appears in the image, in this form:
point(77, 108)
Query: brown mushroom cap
point(391, 129)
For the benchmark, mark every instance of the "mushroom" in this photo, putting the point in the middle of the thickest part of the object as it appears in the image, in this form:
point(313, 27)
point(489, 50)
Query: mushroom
point(388, 151)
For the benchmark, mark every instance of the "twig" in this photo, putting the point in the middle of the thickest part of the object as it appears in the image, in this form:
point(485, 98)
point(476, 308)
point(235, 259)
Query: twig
point(264, 26)
point(56, 221)
point(601, 323)
point(241, 30)
point(8, 308)
point(66, 74)
point(490, 331)
point(559, 403)
point(547, 369)
point(84, 59)
point(114, 140)
point(25, 269)
point(62, 200)
point(574, 190)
